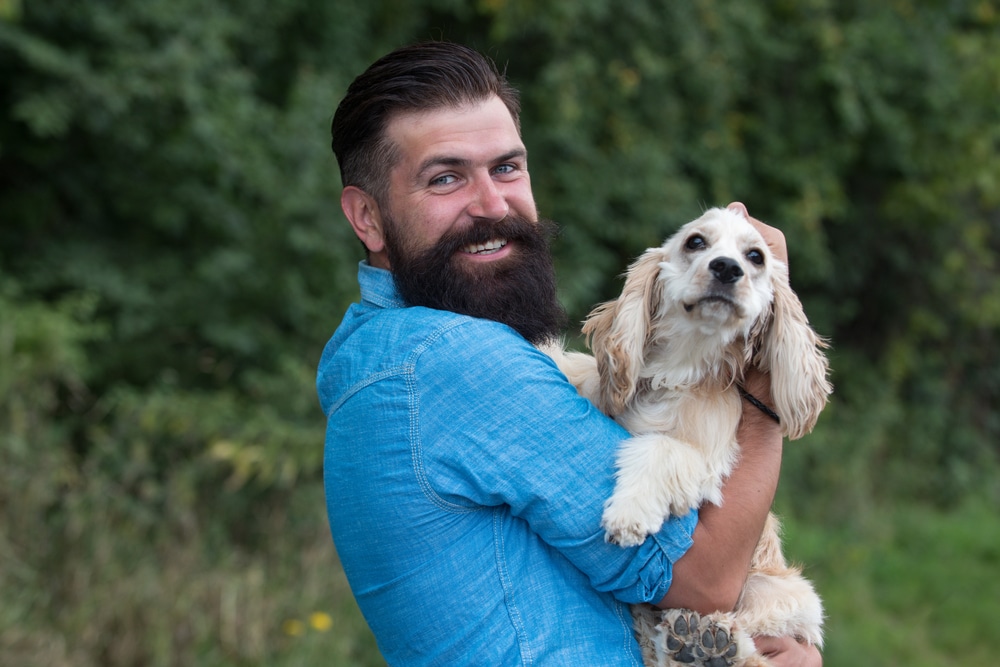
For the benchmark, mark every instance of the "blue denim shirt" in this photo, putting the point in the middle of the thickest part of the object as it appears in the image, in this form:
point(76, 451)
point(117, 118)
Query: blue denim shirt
point(465, 480)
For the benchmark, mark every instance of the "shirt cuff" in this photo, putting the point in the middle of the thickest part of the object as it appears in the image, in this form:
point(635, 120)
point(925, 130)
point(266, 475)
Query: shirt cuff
point(672, 542)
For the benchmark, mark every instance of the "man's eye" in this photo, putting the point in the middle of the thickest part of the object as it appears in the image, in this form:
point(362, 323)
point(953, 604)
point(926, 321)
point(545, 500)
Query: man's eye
point(756, 256)
point(696, 242)
point(504, 169)
point(446, 179)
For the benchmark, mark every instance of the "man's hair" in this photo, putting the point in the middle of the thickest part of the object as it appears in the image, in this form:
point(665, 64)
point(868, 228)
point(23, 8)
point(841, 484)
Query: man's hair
point(420, 77)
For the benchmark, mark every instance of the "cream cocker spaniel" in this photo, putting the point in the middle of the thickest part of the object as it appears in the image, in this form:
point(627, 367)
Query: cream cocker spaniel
point(669, 357)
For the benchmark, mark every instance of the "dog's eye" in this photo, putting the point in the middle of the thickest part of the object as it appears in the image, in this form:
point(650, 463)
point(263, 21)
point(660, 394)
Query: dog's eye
point(756, 256)
point(696, 242)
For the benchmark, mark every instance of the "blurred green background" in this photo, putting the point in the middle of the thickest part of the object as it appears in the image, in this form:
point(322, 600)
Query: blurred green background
point(173, 258)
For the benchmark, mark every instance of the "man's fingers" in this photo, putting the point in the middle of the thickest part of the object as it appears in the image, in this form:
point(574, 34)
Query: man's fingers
point(787, 652)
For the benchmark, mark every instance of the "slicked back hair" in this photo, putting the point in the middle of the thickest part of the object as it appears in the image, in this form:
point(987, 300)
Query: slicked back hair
point(420, 77)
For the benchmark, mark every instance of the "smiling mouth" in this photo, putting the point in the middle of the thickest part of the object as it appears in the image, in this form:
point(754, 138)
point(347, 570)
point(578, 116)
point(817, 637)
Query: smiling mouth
point(488, 248)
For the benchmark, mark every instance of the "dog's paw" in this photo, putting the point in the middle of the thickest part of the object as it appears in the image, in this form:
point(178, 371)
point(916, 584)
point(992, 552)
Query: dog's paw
point(688, 638)
point(626, 526)
point(625, 537)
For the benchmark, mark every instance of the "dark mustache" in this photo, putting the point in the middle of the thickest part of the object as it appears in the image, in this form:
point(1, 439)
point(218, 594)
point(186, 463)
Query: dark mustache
point(511, 228)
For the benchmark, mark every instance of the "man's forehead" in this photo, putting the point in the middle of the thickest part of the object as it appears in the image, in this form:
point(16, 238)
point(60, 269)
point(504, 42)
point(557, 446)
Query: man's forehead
point(458, 132)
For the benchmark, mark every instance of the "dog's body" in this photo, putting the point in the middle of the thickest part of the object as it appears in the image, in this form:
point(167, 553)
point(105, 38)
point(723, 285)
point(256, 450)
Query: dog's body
point(669, 357)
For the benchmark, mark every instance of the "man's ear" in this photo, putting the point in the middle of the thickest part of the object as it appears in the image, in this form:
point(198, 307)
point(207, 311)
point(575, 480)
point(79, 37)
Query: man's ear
point(365, 217)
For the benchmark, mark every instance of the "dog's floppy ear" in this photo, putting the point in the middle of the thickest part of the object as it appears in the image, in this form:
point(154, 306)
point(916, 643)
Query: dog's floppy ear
point(618, 331)
point(793, 353)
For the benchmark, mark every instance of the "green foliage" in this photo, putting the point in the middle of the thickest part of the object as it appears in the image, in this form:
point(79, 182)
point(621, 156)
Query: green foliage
point(173, 258)
point(910, 586)
point(156, 546)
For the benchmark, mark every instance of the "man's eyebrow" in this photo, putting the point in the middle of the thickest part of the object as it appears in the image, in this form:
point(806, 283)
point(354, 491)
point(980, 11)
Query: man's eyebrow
point(516, 154)
point(452, 161)
point(513, 155)
point(442, 161)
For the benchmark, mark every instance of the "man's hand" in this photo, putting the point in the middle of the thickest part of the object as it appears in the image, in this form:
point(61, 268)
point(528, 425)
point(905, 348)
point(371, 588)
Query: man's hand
point(786, 652)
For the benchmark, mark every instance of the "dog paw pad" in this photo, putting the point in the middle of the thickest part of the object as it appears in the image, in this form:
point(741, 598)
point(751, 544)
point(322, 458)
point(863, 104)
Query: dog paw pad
point(691, 639)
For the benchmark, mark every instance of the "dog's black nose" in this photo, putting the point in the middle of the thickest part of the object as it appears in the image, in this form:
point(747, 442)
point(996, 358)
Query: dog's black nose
point(725, 270)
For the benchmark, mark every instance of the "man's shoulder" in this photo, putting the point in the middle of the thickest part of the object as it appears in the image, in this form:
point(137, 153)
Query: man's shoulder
point(437, 349)
point(455, 336)
point(411, 333)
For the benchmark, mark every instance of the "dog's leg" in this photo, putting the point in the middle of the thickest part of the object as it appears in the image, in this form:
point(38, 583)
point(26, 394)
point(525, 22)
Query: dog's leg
point(657, 476)
point(782, 605)
point(776, 599)
point(645, 618)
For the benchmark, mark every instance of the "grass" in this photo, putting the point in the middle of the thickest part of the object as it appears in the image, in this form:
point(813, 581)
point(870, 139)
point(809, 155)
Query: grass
point(911, 585)
point(113, 597)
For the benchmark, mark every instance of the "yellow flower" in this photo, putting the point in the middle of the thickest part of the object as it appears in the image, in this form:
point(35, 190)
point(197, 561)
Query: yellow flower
point(320, 621)
point(294, 627)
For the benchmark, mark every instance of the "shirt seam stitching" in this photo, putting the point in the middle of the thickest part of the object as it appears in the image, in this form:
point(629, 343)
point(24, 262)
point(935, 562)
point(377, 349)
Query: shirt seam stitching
point(416, 442)
point(367, 381)
point(508, 592)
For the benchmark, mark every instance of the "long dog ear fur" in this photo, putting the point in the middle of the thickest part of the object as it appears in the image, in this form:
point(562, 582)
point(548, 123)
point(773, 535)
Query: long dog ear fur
point(793, 353)
point(618, 331)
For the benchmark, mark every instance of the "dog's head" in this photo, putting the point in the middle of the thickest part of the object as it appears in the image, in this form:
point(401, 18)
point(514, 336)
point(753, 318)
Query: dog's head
point(710, 300)
point(716, 273)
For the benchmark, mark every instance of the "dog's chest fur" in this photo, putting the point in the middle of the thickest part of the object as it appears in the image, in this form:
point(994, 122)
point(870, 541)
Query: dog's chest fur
point(704, 417)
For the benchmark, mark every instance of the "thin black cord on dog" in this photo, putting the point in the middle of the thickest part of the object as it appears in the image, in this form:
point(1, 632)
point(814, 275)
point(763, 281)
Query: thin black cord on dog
point(757, 403)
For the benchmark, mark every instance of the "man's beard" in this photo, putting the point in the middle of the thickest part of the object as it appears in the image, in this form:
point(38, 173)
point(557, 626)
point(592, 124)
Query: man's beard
point(518, 290)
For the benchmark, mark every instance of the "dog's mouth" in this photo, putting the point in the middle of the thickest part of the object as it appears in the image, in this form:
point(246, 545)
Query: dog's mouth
point(711, 298)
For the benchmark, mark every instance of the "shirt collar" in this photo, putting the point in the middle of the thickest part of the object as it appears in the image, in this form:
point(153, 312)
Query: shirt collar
point(378, 286)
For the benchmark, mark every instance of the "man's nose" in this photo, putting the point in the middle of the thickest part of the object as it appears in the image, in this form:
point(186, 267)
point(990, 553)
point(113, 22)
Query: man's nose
point(488, 201)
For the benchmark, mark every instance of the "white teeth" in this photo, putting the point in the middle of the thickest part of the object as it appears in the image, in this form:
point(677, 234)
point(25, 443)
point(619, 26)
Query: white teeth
point(488, 247)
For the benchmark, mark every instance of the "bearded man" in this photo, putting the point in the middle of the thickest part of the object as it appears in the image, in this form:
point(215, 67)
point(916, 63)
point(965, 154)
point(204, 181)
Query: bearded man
point(465, 477)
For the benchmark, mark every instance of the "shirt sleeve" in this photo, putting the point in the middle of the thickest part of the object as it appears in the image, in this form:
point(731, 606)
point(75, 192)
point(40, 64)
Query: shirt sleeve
point(500, 424)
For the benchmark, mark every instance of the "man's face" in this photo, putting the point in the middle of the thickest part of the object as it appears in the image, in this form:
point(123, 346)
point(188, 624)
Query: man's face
point(457, 167)
point(460, 226)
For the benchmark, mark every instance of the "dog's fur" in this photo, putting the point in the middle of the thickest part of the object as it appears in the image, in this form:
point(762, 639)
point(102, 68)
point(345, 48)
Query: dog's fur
point(668, 357)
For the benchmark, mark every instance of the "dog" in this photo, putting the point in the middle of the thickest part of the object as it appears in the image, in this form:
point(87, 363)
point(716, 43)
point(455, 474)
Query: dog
point(668, 358)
